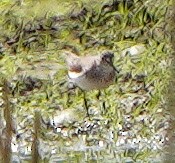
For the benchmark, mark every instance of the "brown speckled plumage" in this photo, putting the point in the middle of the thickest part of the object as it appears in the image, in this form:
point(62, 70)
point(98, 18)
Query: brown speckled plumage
point(91, 72)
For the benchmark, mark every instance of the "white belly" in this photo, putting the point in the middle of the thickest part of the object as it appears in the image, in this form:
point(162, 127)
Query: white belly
point(89, 84)
point(74, 75)
point(99, 77)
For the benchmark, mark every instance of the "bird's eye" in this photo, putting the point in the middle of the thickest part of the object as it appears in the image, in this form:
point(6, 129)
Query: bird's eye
point(107, 59)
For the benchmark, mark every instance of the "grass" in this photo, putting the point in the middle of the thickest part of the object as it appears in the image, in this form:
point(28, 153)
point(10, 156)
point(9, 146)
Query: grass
point(32, 40)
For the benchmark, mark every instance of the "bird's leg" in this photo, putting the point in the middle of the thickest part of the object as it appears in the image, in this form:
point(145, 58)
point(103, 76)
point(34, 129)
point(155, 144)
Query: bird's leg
point(104, 102)
point(104, 107)
point(85, 103)
point(98, 95)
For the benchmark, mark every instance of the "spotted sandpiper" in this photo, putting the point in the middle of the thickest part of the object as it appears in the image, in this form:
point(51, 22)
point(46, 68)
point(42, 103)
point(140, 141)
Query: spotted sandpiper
point(91, 72)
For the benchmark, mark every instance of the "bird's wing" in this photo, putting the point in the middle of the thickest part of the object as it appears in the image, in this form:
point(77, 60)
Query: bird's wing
point(88, 62)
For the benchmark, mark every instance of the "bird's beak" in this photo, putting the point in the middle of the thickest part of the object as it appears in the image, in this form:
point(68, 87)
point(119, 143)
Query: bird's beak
point(117, 70)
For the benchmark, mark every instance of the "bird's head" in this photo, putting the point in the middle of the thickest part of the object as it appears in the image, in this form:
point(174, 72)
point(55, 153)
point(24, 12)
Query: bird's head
point(107, 57)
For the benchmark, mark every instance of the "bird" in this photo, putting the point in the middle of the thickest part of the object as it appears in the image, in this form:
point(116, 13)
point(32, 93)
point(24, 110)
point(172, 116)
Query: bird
point(91, 72)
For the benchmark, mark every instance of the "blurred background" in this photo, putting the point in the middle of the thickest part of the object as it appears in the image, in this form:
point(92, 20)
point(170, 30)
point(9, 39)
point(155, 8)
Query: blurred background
point(41, 120)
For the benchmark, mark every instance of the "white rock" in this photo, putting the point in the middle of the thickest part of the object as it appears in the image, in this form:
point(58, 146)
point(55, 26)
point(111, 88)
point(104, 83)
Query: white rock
point(134, 50)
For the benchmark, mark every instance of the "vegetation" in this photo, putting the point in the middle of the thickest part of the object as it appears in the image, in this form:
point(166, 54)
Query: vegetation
point(129, 121)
